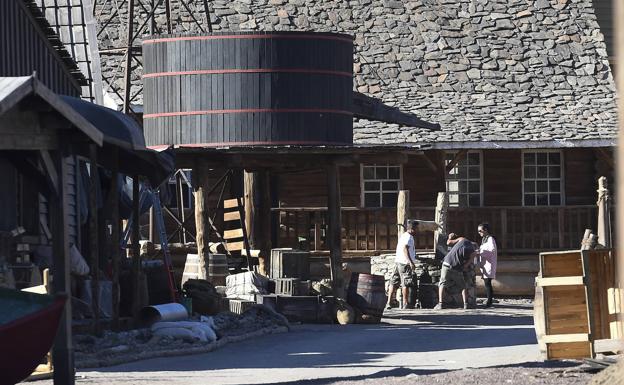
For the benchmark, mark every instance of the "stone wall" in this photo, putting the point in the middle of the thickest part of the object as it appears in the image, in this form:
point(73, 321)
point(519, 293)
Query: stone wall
point(382, 265)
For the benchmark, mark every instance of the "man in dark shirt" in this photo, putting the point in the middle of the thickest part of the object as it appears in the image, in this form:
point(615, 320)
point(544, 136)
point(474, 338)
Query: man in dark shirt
point(455, 262)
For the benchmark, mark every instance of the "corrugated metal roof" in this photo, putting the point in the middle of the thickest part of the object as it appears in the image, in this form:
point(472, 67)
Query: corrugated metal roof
point(74, 24)
point(8, 88)
point(55, 41)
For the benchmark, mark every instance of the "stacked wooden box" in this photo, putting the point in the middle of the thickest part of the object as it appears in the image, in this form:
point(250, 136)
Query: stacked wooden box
point(576, 304)
point(289, 263)
point(290, 270)
point(291, 286)
point(307, 309)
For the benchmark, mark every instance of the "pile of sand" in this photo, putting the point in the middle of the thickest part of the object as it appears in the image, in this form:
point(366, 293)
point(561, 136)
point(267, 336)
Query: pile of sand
point(613, 375)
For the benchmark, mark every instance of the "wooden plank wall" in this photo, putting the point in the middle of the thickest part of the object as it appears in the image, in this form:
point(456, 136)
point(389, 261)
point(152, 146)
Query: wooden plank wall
point(502, 178)
point(8, 194)
point(581, 180)
point(422, 181)
point(308, 188)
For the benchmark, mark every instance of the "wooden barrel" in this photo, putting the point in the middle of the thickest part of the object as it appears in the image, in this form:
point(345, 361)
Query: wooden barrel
point(217, 269)
point(367, 293)
point(248, 88)
point(427, 295)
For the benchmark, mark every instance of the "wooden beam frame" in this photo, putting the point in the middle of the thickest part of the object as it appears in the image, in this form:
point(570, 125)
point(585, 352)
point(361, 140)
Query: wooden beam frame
point(605, 156)
point(429, 162)
point(559, 281)
point(50, 170)
point(455, 160)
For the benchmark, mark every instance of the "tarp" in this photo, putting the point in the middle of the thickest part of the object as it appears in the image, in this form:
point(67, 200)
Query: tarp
point(123, 139)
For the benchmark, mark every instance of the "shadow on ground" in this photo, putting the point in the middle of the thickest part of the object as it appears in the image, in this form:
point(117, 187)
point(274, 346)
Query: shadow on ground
point(352, 346)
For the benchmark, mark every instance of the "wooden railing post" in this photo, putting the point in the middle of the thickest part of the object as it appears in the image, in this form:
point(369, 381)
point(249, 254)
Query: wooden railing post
point(561, 226)
point(503, 230)
point(402, 211)
point(317, 230)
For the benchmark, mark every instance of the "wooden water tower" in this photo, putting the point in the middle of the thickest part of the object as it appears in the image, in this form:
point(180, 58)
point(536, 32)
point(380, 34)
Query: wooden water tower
point(248, 88)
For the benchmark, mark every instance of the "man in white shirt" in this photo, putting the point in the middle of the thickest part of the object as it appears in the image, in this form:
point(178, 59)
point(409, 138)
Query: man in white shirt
point(403, 263)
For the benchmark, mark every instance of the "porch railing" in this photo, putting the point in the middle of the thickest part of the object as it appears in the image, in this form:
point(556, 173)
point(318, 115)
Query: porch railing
point(518, 229)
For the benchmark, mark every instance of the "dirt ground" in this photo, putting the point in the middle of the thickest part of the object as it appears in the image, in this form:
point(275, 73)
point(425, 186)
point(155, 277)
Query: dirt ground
point(540, 373)
point(480, 346)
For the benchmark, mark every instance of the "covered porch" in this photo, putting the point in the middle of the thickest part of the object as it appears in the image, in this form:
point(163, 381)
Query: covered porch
point(371, 231)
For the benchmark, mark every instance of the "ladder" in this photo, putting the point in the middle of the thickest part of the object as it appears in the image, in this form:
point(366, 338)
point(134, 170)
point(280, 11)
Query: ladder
point(162, 236)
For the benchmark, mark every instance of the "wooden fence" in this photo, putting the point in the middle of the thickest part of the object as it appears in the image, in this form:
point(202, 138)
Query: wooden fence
point(518, 229)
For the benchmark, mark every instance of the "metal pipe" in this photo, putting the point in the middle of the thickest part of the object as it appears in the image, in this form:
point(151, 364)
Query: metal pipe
point(166, 312)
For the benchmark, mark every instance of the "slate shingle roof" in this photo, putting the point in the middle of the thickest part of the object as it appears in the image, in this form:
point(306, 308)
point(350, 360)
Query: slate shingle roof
point(504, 71)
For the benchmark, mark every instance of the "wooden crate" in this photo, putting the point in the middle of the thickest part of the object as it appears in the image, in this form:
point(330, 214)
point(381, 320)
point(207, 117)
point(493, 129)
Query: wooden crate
point(289, 263)
point(571, 303)
point(287, 286)
point(239, 306)
point(291, 286)
point(306, 309)
point(615, 299)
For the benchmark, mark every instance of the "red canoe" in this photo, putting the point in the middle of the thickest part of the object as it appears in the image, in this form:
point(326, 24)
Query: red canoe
point(28, 325)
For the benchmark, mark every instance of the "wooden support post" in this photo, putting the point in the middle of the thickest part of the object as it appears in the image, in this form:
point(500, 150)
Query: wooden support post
point(250, 181)
point(604, 213)
point(619, 237)
point(441, 218)
point(115, 236)
point(128, 64)
point(94, 246)
point(168, 16)
point(585, 242)
point(136, 248)
point(334, 229)
point(180, 204)
point(402, 211)
point(258, 215)
point(151, 225)
point(62, 350)
point(202, 225)
point(317, 230)
point(561, 226)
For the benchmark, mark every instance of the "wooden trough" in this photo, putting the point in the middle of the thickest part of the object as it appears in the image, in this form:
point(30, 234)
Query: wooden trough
point(573, 312)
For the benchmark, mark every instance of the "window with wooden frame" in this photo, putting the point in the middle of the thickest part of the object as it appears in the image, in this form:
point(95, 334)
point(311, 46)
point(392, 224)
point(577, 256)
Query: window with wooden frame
point(380, 185)
point(463, 182)
point(542, 178)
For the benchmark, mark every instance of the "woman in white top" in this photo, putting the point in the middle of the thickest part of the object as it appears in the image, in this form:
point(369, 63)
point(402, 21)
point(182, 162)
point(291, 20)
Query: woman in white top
point(488, 254)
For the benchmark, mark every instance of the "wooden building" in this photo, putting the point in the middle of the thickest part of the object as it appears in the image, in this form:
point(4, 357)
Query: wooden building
point(523, 92)
point(47, 135)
